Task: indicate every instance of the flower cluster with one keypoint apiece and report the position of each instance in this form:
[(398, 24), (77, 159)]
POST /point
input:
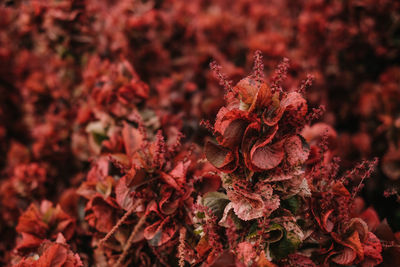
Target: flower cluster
[(281, 200)]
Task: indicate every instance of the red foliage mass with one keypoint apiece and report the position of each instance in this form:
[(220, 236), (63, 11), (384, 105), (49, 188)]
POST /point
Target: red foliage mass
[(104, 161)]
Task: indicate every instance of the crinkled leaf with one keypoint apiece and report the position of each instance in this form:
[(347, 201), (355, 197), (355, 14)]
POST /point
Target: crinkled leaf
[(339, 189), (300, 260), (103, 214), (226, 117), (264, 262), (56, 255), (297, 150), (355, 242), (372, 250), (358, 225), (229, 213), (105, 187), (226, 259), (246, 252), (295, 106), (177, 176), (247, 206)]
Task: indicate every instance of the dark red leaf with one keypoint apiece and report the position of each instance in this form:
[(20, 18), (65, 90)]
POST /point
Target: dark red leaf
[(268, 156), (222, 158)]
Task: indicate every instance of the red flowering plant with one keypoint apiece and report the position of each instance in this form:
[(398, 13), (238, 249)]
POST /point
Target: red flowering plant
[(41, 224), (271, 203), (96, 95), (150, 202), (55, 253)]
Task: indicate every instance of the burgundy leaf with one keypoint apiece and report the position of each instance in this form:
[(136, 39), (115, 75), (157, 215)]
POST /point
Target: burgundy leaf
[(222, 158), (266, 157), (160, 232)]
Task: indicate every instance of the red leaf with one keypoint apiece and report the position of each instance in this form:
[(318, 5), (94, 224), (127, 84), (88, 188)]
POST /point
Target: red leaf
[(160, 232), (372, 250), (167, 204), (371, 218), (249, 138), (227, 259), (268, 156), (358, 225), (299, 261), (123, 194), (295, 105), (202, 247), (231, 124), (170, 180), (273, 113), (246, 205), (222, 158), (322, 219), (345, 257), (132, 139), (28, 241), (209, 183), (354, 242), (233, 133), (253, 93), (104, 214), (339, 189), (296, 150), (31, 222), (179, 172), (327, 224), (58, 255), (54, 256)]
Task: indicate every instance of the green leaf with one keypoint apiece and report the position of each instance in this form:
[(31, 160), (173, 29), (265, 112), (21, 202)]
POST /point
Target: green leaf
[(252, 231), (200, 215), (276, 233), (292, 204), (99, 138), (287, 245)]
